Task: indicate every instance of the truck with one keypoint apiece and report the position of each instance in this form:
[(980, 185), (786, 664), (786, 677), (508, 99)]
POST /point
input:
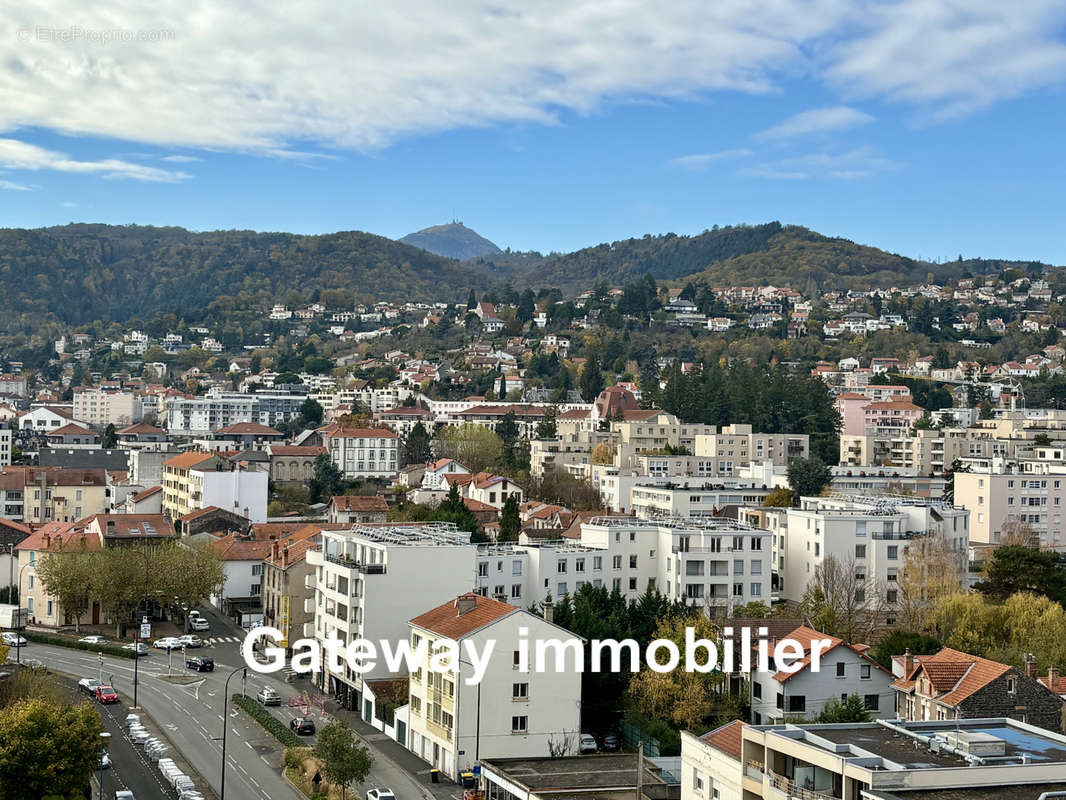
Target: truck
[(12, 617)]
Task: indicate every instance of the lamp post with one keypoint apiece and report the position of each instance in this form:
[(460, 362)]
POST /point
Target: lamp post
[(225, 725), (18, 612), (105, 738)]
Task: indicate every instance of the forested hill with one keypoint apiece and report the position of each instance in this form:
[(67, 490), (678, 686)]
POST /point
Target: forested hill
[(79, 273), (741, 255)]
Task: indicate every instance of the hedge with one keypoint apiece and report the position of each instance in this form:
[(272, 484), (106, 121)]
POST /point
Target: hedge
[(74, 644), (274, 726)]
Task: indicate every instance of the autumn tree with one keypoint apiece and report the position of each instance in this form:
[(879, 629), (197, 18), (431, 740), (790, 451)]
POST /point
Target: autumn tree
[(70, 577), (474, 446), (778, 498), (931, 569), (686, 699), (603, 453), (189, 572), (343, 759)]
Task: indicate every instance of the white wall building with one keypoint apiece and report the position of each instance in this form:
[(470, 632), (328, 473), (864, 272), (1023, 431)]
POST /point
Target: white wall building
[(510, 713)]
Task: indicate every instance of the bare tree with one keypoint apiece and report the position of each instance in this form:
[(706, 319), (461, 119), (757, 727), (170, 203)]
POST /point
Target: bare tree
[(562, 744), (931, 570), (1018, 532), (843, 600)]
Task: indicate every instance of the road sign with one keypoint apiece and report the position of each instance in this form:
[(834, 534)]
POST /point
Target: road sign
[(146, 630)]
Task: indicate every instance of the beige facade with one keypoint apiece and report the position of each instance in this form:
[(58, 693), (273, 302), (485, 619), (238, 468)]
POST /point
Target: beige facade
[(100, 408)]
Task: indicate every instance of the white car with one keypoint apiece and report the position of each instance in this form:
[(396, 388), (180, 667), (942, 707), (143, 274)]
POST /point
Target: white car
[(124, 794), (92, 640), (167, 643), (12, 639), (140, 648), (588, 743), (191, 640), (380, 794), (199, 624), (88, 685)]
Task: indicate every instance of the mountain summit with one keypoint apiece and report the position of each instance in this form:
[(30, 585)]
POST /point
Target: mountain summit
[(453, 240)]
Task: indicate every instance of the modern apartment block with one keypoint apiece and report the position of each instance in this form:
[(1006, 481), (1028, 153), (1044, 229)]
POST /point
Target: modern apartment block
[(102, 407), (867, 534), (196, 480), (694, 498), (980, 759), (511, 713), (191, 416), (370, 581), (716, 564)]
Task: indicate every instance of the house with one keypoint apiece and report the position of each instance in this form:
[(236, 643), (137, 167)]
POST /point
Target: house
[(352, 508), (435, 472), (362, 453), (148, 501), (709, 763), (249, 435), (953, 685), (845, 669), (45, 418), (511, 713), (242, 558), (492, 489), (71, 434), (286, 575), (403, 419), (141, 434), (293, 463)]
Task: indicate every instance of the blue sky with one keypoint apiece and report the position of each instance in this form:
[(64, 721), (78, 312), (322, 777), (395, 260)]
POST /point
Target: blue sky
[(913, 125)]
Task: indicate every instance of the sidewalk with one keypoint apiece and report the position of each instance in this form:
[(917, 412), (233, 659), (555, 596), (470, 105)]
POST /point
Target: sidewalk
[(399, 755)]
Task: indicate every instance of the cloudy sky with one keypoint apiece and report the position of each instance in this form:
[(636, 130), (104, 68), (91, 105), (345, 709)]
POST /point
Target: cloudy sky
[(928, 127)]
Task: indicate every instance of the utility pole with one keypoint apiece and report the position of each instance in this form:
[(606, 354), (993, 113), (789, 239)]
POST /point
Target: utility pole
[(640, 770)]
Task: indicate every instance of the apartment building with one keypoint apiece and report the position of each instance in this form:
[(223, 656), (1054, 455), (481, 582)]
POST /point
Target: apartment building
[(981, 759), (44, 494), (685, 498), (1015, 498), (362, 453), (198, 480), (867, 535), (101, 407), (5, 447), (370, 581), (717, 564), (510, 713), (193, 416)]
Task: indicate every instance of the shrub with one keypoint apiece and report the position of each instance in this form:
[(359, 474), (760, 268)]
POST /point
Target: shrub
[(274, 726), (74, 644), (294, 757)]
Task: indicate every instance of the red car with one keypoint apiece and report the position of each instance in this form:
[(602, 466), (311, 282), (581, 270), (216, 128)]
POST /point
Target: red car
[(106, 694)]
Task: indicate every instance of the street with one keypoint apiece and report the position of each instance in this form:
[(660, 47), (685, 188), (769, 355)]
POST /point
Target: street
[(189, 715)]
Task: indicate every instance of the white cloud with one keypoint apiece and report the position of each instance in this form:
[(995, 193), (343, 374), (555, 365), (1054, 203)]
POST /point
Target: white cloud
[(68, 204), (859, 162), (700, 161), (255, 77), (15, 154), (14, 187), (817, 120), (180, 159)]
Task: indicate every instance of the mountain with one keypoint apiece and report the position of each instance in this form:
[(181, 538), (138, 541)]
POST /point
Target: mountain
[(84, 272), (453, 240), (772, 253)]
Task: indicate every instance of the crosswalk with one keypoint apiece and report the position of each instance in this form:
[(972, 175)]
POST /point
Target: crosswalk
[(222, 639)]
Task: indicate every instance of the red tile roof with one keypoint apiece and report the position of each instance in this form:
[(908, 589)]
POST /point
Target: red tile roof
[(727, 738), (477, 505), (355, 502), (146, 493), (142, 428), (72, 429), (806, 636), (358, 433), (59, 537), (249, 428), (957, 674), (188, 460), (232, 548), (445, 619)]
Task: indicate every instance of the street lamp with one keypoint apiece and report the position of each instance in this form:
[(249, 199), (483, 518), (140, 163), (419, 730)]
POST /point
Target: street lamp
[(105, 738), (225, 725), (18, 612)]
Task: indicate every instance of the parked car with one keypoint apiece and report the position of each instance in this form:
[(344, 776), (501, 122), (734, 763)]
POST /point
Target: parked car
[(167, 643), (610, 741), (124, 794), (588, 743), (88, 685), (194, 614), (380, 794), (140, 648), (303, 726), (269, 697), (12, 639), (199, 624), (94, 639), (200, 664), (191, 640), (106, 694)]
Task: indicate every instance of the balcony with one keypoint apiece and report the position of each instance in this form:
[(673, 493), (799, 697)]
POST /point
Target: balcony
[(794, 791), (438, 730)]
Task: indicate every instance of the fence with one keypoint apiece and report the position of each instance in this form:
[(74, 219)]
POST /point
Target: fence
[(632, 736)]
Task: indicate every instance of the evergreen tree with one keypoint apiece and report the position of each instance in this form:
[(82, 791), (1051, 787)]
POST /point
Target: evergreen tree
[(110, 438), (416, 446), (326, 480), (510, 524), (471, 301)]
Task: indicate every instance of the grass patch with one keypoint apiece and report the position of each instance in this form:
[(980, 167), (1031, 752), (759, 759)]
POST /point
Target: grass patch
[(271, 724), (74, 644)]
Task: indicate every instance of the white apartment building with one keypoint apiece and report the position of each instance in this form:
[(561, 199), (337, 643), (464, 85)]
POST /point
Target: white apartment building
[(716, 564), (363, 452), (370, 581), (868, 534), (510, 713), (5, 447), (684, 498), (187, 416)]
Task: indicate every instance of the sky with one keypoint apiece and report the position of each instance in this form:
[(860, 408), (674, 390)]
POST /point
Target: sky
[(931, 128)]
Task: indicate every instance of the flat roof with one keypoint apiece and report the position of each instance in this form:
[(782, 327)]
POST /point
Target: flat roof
[(553, 775), (1029, 791)]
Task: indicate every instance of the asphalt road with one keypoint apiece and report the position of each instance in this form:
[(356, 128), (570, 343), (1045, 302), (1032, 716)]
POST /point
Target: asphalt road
[(190, 717)]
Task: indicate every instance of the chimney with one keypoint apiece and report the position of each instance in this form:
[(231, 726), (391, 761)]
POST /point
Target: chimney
[(1053, 678), (465, 603), (285, 556), (549, 610), (47, 539), (908, 662), (1030, 667), (274, 551)]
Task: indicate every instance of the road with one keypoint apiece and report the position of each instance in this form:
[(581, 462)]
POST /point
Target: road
[(190, 716)]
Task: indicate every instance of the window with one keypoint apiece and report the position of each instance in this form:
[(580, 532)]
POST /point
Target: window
[(517, 656), (738, 590), (738, 566), (756, 568), (864, 672), (756, 590), (1012, 684), (893, 552), (632, 584), (872, 702), (780, 701), (841, 667), (561, 590), (520, 691), (597, 562), (516, 567), (797, 703), (560, 566), (516, 590), (257, 569), (756, 690), (579, 565), (860, 551), (693, 567), (632, 562), (519, 724), (616, 562)]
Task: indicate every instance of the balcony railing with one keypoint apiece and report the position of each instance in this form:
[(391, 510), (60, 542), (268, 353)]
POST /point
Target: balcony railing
[(796, 792)]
